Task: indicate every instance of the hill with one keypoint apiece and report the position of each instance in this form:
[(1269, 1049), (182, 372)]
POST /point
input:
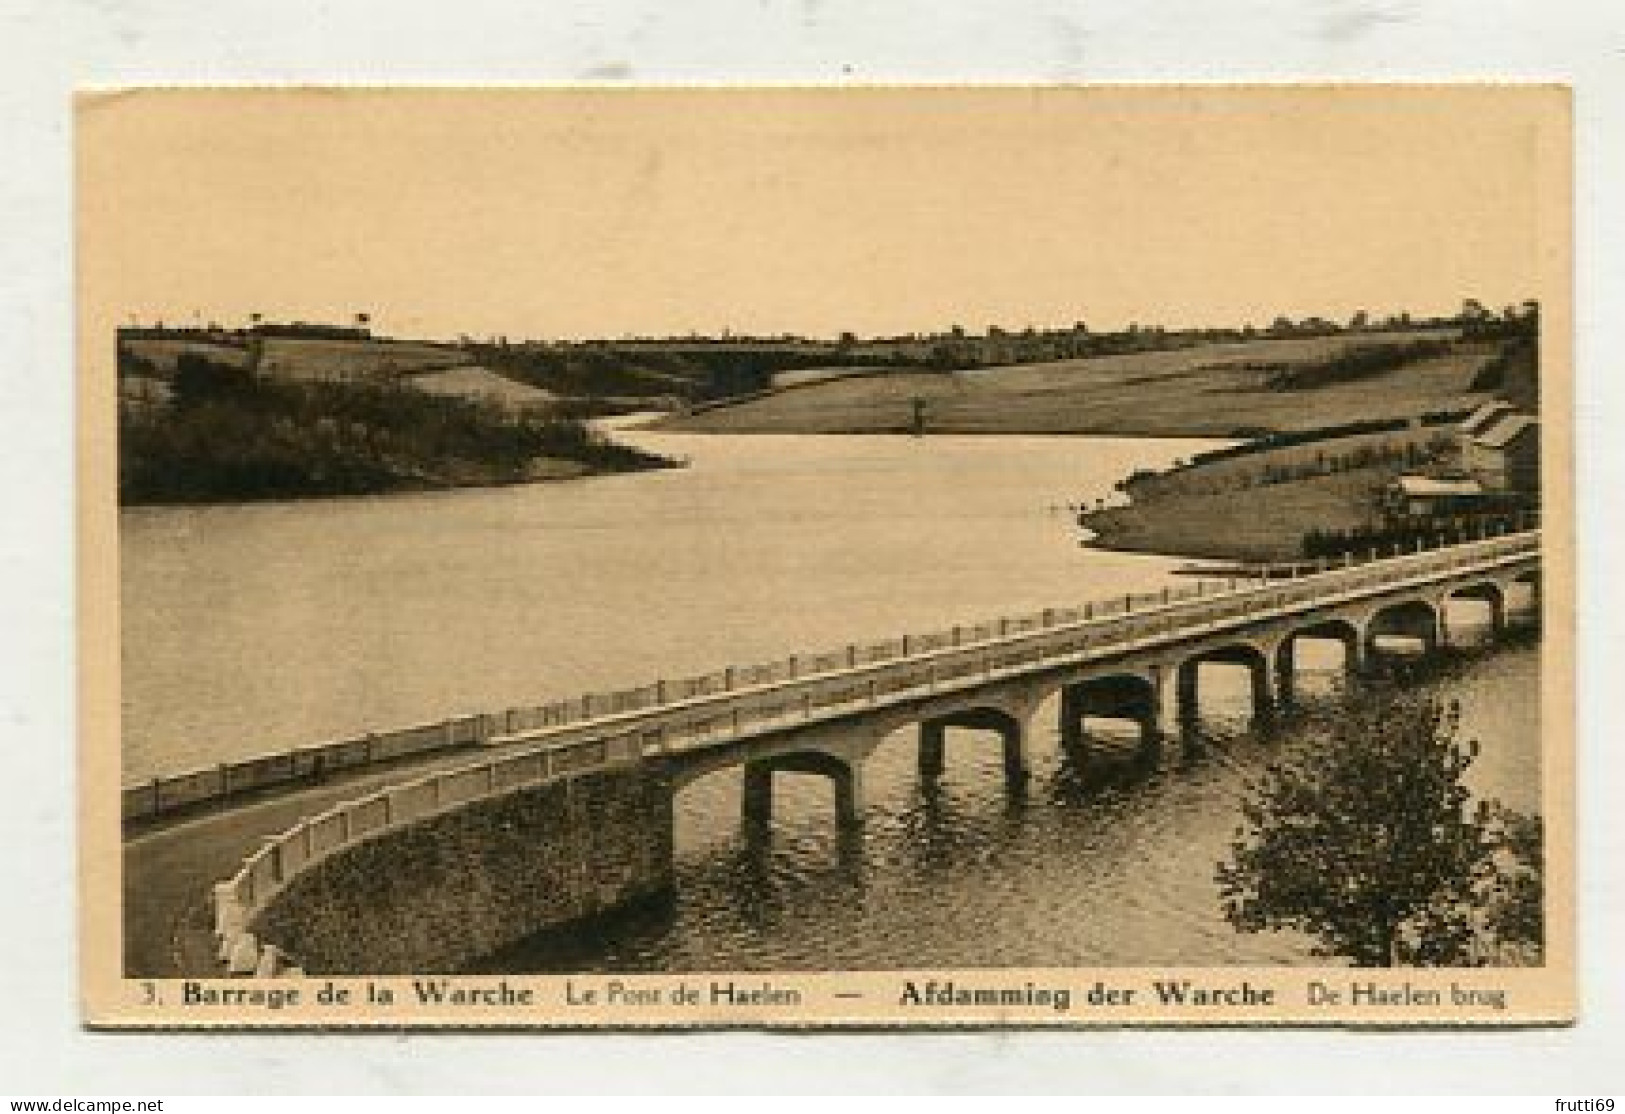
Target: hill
[(218, 432), (301, 357), (1229, 389)]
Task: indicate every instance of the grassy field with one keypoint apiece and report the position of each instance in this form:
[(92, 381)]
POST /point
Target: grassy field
[(480, 384), (1245, 524), (1215, 390), (300, 358), (309, 358), (1209, 477)]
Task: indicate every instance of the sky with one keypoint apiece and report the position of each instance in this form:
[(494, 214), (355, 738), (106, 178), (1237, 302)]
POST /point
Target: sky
[(575, 213)]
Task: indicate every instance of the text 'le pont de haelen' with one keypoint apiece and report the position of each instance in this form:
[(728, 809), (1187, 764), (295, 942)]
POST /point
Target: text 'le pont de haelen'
[(498, 994)]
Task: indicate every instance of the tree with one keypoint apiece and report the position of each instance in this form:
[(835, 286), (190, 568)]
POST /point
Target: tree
[(1517, 894), (1369, 841), (198, 380), (1474, 319)]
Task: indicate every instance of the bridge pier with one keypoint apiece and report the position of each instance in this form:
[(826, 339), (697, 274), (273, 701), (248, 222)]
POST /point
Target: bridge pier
[(756, 799), (1187, 706), (1012, 733), (846, 777), (1286, 672), (1354, 656), (1532, 580), (933, 745), (1071, 725), (1263, 692)]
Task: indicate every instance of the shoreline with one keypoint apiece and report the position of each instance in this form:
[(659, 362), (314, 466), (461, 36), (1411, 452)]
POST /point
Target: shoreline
[(549, 470), (1234, 527), (659, 426)]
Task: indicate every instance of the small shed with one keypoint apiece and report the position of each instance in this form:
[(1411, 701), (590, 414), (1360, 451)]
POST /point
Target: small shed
[(1506, 457), (1431, 497), (1480, 420)]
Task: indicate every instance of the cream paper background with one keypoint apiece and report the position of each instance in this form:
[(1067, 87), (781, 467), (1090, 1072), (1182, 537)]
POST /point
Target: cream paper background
[(40, 1011), (122, 226)]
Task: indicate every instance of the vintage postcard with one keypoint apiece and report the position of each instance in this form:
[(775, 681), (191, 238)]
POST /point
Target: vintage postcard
[(797, 557)]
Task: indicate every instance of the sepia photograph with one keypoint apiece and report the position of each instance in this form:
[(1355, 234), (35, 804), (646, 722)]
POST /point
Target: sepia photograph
[(783, 557)]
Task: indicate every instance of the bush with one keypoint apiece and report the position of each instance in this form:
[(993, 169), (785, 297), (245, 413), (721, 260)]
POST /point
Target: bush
[(1368, 840), (1357, 361)]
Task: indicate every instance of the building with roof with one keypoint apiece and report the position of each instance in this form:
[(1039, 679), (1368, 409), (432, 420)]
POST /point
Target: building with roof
[(1505, 456), (1434, 497)]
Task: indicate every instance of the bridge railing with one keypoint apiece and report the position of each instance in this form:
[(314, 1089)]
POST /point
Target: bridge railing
[(302, 764), (927, 662), (310, 764)]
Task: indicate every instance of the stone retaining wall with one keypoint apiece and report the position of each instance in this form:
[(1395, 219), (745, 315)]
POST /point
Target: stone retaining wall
[(437, 895)]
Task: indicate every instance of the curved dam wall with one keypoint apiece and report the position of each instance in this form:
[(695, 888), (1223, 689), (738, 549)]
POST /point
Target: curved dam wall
[(436, 895)]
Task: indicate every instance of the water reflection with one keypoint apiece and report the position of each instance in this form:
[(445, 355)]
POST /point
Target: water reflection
[(250, 629)]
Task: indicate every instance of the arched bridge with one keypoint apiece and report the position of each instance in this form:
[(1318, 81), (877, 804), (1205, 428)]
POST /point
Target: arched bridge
[(1138, 659)]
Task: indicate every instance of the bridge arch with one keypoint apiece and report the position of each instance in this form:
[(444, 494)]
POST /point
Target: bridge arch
[(844, 773), (1010, 728), (1488, 592), (1415, 621), (1344, 631), (1255, 658), (1123, 695)]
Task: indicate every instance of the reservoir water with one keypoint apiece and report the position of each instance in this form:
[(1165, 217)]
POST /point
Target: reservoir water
[(252, 628), (248, 629)]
